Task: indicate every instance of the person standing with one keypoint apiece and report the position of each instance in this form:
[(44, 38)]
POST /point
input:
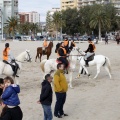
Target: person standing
[(46, 97), (60, 88), (117, 38), (106, 39)]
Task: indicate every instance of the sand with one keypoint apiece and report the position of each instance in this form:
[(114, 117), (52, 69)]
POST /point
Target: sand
[(91, 99)]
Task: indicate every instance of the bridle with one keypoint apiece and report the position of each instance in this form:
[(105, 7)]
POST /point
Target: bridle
[(28, 60)]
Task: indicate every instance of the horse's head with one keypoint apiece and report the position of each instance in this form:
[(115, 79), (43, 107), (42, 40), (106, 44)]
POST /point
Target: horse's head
[(28, 58), (75, 49), (50, 44)]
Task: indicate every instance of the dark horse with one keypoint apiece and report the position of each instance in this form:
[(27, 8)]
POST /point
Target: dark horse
[(47, 49)]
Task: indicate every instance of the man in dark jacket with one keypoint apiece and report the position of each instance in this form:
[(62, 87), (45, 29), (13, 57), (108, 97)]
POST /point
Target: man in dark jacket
[(46, 97)]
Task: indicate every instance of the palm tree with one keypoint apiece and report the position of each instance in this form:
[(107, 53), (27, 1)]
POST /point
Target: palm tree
[(34, 27), (11, 24), (57, 21), (99, 18), (25, 28)]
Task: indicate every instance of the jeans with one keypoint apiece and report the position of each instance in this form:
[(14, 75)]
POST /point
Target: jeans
[(88, 55), (61, 98), (64, 60), (47, 112)]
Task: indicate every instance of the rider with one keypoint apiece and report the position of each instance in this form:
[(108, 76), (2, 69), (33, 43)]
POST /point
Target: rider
[(90, 51), (9, 59), (45, 44), (62, 54), (66, 44), (72, 45)]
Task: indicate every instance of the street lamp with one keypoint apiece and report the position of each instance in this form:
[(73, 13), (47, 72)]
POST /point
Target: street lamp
[(1, 22)]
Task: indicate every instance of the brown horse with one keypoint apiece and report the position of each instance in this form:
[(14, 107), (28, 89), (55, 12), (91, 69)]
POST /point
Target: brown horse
[(47, 49)]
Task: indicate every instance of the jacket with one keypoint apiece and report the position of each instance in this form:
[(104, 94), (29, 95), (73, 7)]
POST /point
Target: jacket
[(45, 44), (10, 95), (62, 52), (7, 56), (46, 93), (60, 82), (91, 48), (12, 114)]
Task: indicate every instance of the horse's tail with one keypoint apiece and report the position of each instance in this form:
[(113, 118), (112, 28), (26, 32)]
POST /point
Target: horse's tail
[(42, 64), (108, 63)]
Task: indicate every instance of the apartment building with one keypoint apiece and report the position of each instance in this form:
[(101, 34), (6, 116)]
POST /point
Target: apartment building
[(68, 4), (117, 5), (10, 9), (32, 17)]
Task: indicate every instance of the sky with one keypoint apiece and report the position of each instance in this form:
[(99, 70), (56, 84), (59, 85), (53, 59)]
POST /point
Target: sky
[(40, 6)]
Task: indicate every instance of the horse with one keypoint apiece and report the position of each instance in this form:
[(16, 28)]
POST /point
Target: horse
[(98, 60), (51, 65), (6, 69), (48, 51)]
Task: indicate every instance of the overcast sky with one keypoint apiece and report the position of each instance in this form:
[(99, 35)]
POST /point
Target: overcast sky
[(40, 6)]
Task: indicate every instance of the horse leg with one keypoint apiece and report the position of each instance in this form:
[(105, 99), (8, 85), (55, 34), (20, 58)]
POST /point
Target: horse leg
[(80, 71), (70, 79), (107, 69), (37, 56), (98, 71), (84, 68), (48, 57), (40, 57)]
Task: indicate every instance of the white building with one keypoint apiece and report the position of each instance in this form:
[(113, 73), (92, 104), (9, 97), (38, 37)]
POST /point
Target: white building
[(34, 17), (10, 9), (117, 5)]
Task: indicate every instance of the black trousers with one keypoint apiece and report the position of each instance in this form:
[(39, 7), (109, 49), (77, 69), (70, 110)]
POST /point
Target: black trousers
[(63, 60), (60, 100)]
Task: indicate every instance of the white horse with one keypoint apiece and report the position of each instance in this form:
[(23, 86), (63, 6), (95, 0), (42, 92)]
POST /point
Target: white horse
[(6, 69), (99, 61), (51, 65)]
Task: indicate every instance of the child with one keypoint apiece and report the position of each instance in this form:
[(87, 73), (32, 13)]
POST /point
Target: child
[(10, 93)]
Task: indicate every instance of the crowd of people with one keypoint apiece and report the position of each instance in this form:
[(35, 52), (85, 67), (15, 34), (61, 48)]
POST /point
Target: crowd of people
[(9, 91)]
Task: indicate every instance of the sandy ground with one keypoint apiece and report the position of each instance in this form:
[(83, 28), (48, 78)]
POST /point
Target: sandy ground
[(89, 100)]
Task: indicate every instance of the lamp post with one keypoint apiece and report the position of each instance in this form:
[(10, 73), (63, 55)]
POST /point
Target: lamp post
[(1, 22)]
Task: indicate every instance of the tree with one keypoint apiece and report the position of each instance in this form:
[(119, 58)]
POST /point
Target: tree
[(49, 24), (57, 21), (34, 27), (99, 18), (71, 20), (11, 24)]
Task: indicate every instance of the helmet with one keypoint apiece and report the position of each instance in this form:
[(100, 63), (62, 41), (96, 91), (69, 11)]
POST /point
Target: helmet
[(6, 44), (89, 39)]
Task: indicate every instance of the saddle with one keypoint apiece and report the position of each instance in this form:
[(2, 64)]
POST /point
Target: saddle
[(91, 58)]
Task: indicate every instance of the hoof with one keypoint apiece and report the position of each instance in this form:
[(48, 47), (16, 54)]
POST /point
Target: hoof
[(77, 77), (70, 86)]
